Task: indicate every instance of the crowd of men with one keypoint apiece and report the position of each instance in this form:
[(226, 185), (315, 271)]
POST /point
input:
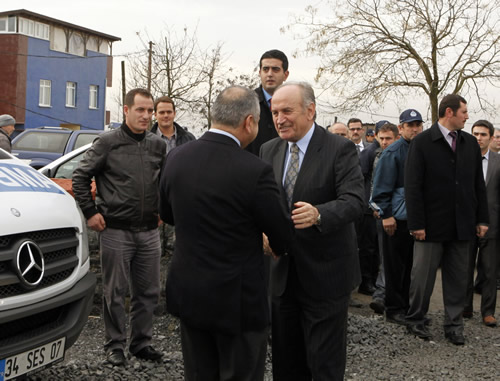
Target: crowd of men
[(278, 220)]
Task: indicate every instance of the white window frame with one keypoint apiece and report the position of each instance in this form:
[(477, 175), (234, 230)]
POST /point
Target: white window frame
[(70, 94), (44, 99), (93, 97), (7, 20)]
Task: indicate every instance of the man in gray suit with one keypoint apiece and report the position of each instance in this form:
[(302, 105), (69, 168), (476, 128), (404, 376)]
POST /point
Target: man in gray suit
[(322, 187), (486, 249)]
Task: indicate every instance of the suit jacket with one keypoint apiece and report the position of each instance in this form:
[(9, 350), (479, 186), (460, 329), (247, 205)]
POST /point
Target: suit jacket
[(445, 191), (220, 199), (493, 194), (267, 131), (330, 178)]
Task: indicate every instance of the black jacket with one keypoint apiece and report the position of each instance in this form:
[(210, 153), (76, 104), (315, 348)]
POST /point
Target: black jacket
[(220, 199), (127, 174), (329, 178), (267, 131), (444, 190), (183, 136)]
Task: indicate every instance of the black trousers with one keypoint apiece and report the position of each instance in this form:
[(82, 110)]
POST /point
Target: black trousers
[(211, 356), (366, 233), (486, 251), (398, 261), (309, 335)]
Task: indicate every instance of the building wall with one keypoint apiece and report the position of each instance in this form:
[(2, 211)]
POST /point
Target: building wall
[(13, 75), (60, 68)]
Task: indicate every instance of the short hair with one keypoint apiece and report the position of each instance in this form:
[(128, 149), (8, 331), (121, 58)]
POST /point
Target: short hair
[(164, 99), (306, 91), (130, 97), (277, 54), (452, 101), (484, 123), (233, 105), (389, 127), (354, 120)]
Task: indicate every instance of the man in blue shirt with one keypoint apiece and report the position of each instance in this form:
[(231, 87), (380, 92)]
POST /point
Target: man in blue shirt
[(388, 194)]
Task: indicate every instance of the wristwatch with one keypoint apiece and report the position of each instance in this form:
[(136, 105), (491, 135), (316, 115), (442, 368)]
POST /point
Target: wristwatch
[(318, 220)]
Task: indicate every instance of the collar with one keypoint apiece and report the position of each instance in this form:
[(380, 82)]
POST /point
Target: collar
[(160, 134), (267, 96), (304, 142), (487, 155), (444, 130), (128, 131), (225, 133)]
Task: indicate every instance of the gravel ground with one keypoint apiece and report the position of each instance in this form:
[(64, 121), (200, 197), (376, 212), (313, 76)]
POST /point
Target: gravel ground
[(376, 351)]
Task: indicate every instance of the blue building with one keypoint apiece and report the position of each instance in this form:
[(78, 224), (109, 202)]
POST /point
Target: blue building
[(53, 73)]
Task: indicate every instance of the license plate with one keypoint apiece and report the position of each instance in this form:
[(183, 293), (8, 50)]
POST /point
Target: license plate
[(28, 361)]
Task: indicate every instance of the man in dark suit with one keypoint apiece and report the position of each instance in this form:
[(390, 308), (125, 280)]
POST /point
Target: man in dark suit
[(486, 249), (322, 186), (446, 208), (273, 71), (221, 199)]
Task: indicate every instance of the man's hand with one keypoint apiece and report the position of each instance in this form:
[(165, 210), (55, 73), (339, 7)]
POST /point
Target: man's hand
[(481, 230), (390, 225), (419, 235), (96, 222), (304, 215), (267, 247)]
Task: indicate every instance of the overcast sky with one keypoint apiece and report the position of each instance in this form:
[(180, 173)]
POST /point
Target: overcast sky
[(246, 29)]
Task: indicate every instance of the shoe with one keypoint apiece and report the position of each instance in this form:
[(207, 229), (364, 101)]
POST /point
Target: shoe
[(490, 321), (149, 353), (455, 338), (378, 306), (354, 303), (116, 357), (419, 330), (396, 319), (467, 313), (366, 288)]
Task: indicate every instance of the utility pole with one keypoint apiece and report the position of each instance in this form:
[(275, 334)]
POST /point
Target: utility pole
[(124, 87), (150, 56)]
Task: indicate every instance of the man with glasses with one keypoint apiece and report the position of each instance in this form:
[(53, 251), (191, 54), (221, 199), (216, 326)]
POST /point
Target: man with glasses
[(356, 134)]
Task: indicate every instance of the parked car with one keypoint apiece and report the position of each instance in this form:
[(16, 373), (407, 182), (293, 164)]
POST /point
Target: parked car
[(46, 287), (40, 146), (61, 170)]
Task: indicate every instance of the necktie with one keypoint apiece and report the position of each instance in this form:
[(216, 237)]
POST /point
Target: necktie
[(358, 148), (453, 135), (291, 174)]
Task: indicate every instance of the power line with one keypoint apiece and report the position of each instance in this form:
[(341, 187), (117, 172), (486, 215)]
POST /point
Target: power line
[(125, 55), (47, 116)]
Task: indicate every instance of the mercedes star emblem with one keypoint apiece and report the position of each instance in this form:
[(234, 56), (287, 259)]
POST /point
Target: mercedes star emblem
[(30, 264)]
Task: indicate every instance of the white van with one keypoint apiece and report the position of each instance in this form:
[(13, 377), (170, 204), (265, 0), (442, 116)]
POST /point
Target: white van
[(46, 288)]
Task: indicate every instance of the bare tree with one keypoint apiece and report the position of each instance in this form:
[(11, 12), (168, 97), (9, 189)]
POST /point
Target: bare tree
[(176, 67), (218, 76), (374, 49)]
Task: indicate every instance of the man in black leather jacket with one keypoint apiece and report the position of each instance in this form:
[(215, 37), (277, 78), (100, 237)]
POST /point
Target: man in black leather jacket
[(126, 164)]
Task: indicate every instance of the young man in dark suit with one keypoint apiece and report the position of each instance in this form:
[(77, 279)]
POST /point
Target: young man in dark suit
[(322, 185), (486, 249), (273, 71), (221, 199), (446, 207)]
